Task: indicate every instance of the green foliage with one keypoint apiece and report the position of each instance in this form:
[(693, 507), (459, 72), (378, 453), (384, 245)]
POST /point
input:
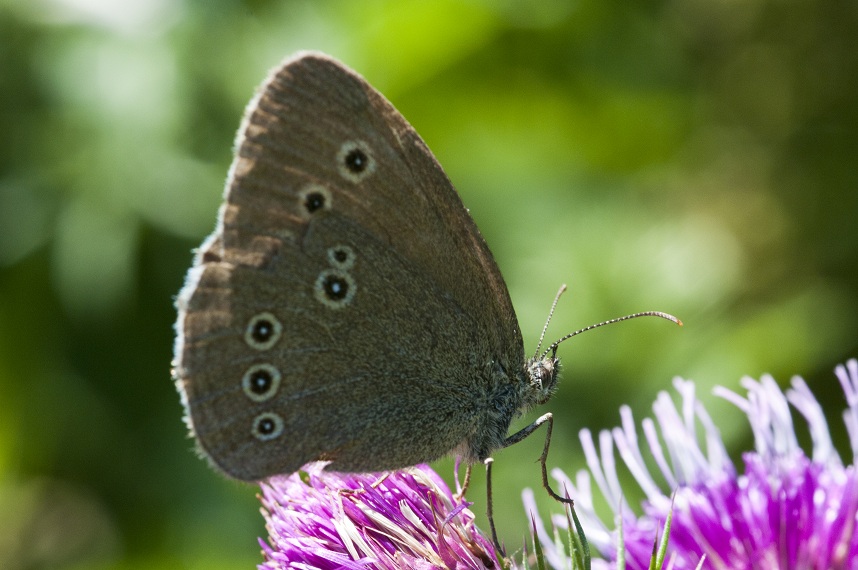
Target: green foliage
[(697, 158), (658, 559), (573, 546)]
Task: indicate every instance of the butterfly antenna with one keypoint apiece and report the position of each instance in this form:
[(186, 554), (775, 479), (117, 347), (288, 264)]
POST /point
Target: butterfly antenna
[(548, 320), (553, 347)]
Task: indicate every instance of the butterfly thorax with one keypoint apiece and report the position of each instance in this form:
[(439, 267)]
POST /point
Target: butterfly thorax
[(509, 397)]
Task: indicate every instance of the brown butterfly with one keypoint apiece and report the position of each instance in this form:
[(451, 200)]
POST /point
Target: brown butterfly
[(346, 308)]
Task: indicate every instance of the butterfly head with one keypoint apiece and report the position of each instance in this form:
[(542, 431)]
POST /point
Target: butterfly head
[(542, 376)]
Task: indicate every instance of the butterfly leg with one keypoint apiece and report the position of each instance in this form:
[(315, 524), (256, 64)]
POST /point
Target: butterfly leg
[(489, 509), (523, 433), (460, 494), (511, 440)]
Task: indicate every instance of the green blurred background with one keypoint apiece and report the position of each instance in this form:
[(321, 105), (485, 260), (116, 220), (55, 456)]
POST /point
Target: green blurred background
[(692, 156)]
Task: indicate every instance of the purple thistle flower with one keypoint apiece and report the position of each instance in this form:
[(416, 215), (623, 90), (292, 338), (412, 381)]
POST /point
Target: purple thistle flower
[(401, 519), (786, 510)]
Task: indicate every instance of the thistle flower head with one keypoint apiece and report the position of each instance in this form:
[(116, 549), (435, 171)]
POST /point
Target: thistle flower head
[(403, 519), (785, 510)]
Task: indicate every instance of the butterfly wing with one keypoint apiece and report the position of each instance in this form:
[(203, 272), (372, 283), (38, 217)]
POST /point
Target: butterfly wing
[(346, 307)]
